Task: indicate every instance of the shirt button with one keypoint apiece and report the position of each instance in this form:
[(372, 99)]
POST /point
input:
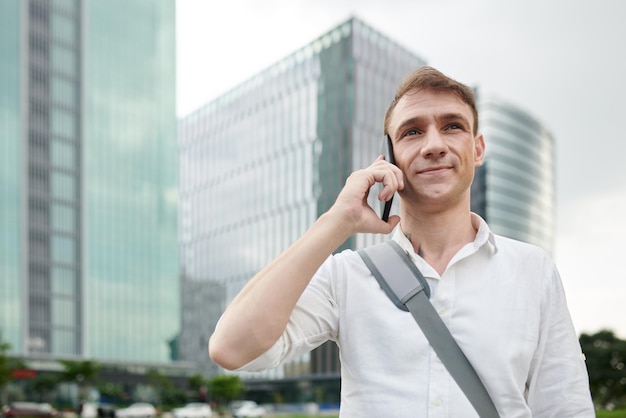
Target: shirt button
[(437, 402), (442, 310)]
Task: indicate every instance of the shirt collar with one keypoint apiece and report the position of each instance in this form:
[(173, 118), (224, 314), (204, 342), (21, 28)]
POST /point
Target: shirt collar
[(484, 236)]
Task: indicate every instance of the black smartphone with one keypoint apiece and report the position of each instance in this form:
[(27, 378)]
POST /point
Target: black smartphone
[(387, 151)]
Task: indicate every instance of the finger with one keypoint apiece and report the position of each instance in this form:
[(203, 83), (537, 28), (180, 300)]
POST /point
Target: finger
[(390, 184)]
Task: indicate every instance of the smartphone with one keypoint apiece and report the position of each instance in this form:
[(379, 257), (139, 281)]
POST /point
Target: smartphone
[(387, 151)]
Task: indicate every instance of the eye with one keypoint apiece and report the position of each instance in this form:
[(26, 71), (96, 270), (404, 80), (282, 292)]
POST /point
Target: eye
[(411, 132), (454, 126)]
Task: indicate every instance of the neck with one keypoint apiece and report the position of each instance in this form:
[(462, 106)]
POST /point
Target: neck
[(438, 236)]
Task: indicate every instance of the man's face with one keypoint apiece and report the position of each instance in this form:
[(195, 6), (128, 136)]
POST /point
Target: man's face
[(435, 147)]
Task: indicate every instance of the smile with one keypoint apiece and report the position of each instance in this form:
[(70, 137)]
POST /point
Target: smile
[(433, 170)]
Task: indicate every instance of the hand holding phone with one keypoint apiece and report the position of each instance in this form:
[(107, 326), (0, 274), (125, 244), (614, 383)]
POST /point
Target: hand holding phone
[(387, 151)]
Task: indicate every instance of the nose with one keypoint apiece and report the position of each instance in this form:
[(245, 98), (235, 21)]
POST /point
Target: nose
[(434, 144)]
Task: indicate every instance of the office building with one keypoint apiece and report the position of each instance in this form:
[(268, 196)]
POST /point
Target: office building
[(260, 163), (514, 190), (88, 179)]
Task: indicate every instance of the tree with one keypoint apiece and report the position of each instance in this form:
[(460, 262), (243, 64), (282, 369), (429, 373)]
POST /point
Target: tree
[(7, 366), (197, 385), (5, 369), (168, 393), (225, 388), (44, 384), (111, 392), (83, 373), (195, 382), (606, 360)]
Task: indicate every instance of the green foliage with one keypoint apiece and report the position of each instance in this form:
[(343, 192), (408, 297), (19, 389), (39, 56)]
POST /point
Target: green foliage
[(173, 396), (113, 392), (83, 373), (621, 413), (79, 371), (198, 387), (45, 384), (225, 388), (5, 369), (606, 361), (196, 381), (7, 366), (169, 394)]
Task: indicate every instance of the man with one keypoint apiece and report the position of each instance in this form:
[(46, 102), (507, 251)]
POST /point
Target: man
[(502, 300)]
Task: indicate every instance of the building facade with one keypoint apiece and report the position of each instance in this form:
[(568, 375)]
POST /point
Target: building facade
[(88, 179), (514, 190), (262, 162)]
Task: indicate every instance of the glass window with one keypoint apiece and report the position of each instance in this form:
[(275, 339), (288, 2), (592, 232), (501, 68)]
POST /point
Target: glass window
[(63, 92), (63, 124), (63, 341), (63, 218), (68, 5), (64, 60), (63, 250), (63, 155), (63, 29), (63, 186), (63, 312), (63, 281)]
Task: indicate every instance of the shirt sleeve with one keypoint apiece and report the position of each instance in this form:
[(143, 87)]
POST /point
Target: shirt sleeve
[(313, 321), (558, 384)]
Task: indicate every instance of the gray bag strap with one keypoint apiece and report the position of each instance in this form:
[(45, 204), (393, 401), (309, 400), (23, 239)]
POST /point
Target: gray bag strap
[(407, 288)]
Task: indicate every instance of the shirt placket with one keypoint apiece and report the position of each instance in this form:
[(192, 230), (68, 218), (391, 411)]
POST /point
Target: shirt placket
[(440, 379)]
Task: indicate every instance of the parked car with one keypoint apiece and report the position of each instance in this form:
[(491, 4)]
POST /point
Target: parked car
[(96, 410), (106, 410), (137, 410), (88, 410), (29, 409), (247, 409), (193, 410)]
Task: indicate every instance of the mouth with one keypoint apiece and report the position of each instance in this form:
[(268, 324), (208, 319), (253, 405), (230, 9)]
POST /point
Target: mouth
[(434, 170)]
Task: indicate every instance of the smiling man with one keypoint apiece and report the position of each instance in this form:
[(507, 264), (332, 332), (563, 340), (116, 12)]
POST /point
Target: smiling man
[(501, 299)]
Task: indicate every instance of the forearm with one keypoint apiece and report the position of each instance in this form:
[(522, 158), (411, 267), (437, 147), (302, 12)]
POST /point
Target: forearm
[(258, 315)]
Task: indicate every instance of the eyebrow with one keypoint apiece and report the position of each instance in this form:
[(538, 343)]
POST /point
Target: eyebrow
[(446, 117)]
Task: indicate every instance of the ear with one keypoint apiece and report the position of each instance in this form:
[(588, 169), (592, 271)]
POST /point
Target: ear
[(479, 150)]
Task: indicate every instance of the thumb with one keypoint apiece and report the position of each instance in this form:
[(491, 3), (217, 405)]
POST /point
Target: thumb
[(387, 227)]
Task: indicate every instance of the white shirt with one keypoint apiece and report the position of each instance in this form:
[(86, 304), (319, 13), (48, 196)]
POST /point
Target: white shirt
[(503, 302)]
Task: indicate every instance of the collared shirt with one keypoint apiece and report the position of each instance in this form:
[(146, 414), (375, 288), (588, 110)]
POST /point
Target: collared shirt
[(502, 300)]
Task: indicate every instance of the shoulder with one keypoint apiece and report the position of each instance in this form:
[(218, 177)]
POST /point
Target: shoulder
[(508, 247), (528, 263), (345, 262), (342, 271)]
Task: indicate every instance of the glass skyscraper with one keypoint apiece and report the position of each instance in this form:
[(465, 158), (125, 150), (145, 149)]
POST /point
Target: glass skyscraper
[(516, 184), (262, 162), (88, 179)]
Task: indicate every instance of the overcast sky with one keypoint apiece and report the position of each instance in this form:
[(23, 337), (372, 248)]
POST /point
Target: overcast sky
[(562, 61)]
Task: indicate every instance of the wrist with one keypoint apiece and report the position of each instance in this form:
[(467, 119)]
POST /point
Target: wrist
[(338, 225)]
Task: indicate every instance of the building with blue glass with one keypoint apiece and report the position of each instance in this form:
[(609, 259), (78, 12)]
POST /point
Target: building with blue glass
[(88, 177)]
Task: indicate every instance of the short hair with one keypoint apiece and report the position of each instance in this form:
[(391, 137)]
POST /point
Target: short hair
[(428, 78)]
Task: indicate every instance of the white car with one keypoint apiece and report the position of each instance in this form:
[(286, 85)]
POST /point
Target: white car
[(137, 410), (247, 409), (193, 410)]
